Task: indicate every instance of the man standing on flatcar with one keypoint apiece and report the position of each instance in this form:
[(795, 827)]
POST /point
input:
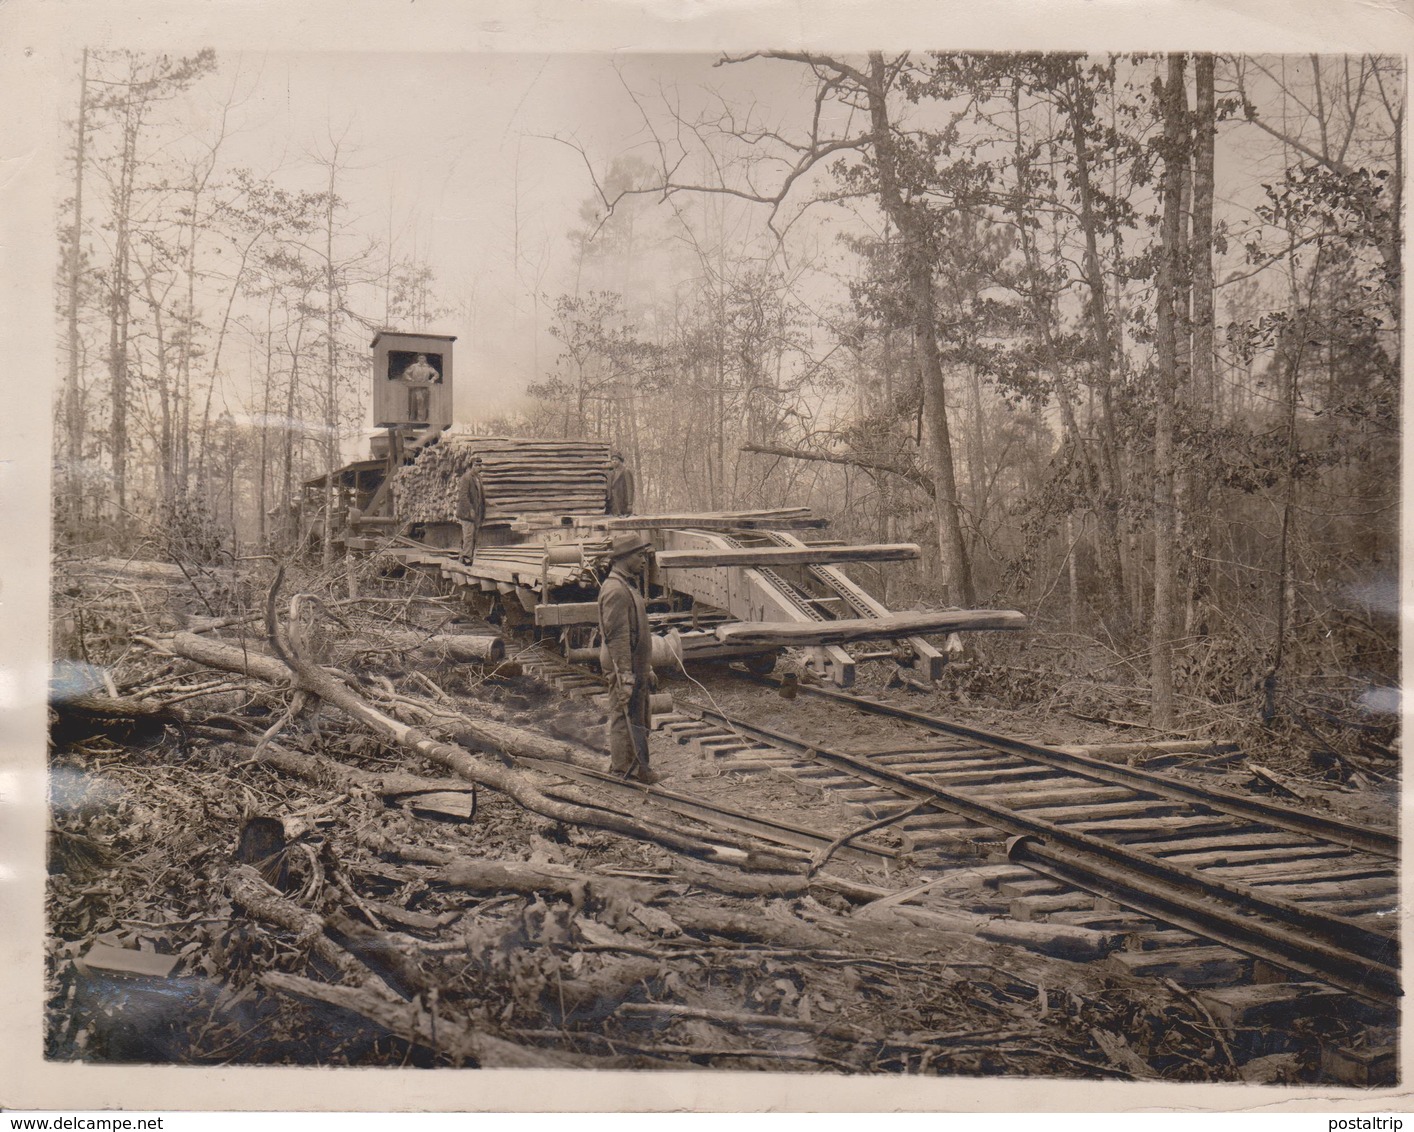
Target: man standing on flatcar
[(620, 498), (471, 508), (625, 655)]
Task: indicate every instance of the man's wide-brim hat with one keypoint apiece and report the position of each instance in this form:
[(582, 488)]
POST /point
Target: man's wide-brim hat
[(625, 544)]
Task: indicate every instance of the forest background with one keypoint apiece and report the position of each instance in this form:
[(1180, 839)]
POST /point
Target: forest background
[(1115, 337)]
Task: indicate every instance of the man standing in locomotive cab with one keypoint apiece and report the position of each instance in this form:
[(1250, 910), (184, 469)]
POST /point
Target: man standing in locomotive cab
[(471, 507), (620, 495), (626, 657), (420, 377)]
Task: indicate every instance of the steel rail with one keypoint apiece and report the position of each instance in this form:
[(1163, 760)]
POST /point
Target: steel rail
[(1344, 952), (1363, 838), (726, 817)]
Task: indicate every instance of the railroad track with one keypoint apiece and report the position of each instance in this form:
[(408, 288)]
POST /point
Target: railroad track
[(1267, 913), (1298, 891), (1302, 892)]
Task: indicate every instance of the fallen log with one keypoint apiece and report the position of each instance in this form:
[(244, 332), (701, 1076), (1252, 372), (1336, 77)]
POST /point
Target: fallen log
[(780, 633), (474, 874), (91, 705), (407, 1020), (905, 471), (671, 1012), (787, 555), (146, 570), (392, 955), (522, 786), (597, 995), (247, 889), (394, 784), (1061, 941), (471, 648)]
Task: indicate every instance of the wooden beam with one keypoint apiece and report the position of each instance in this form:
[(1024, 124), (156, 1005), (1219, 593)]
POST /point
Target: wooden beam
[(867, 628), (568, 613), (787, 555), (713, 523), (699, 518)]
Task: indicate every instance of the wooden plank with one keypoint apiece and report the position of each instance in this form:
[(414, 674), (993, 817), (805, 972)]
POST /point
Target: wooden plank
[(1236, 840), (1056, 796), (1237, 857), (568, 613), (1180, 825), (868, 628), (446, 804), (698, 519), (126, 961), (1189, 966), (1378, 888), (772, 556)]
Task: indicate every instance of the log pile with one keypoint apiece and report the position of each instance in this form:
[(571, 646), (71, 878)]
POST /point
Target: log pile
[(520, 477)]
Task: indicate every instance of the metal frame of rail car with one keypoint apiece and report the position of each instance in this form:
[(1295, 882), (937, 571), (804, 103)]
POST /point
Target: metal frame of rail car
[(752, 593), (863, 604)]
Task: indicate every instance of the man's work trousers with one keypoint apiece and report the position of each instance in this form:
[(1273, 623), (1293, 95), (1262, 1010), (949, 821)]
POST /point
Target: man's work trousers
[(469, 533), (628, 730)]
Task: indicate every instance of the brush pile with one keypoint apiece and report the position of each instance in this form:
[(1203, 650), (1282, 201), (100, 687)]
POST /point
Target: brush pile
[(520, 477), (322, 837)]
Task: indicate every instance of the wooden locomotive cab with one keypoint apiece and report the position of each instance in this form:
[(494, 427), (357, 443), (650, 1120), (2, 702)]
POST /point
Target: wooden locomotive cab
[(412, 380)]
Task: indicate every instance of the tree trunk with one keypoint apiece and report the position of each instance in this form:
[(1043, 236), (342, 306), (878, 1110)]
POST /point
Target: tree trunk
[(119, 303), (1166, 388), (331, 416), (1203, 387), (913, 230), (73, 407), (1104, 355)]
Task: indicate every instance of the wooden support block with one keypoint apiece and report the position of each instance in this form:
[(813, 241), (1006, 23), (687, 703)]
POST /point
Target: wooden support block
[(1237, 858), (1031, 886), (1265, 972), (1046, 798), (923, 822), (1362, 1067), (981, 840), (1189, 966), (711, 747), (733, 765), (1269, 1004), (993, 875), (567, 613), (683, 732), (1159, 939), (1032, 908), (1130, 923)]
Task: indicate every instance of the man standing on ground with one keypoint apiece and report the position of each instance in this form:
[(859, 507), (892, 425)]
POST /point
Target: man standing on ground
[(626, 657), (471, 508), (620, 501)]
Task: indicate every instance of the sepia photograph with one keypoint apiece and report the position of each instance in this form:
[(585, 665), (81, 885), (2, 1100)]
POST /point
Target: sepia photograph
[(749, 558)]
